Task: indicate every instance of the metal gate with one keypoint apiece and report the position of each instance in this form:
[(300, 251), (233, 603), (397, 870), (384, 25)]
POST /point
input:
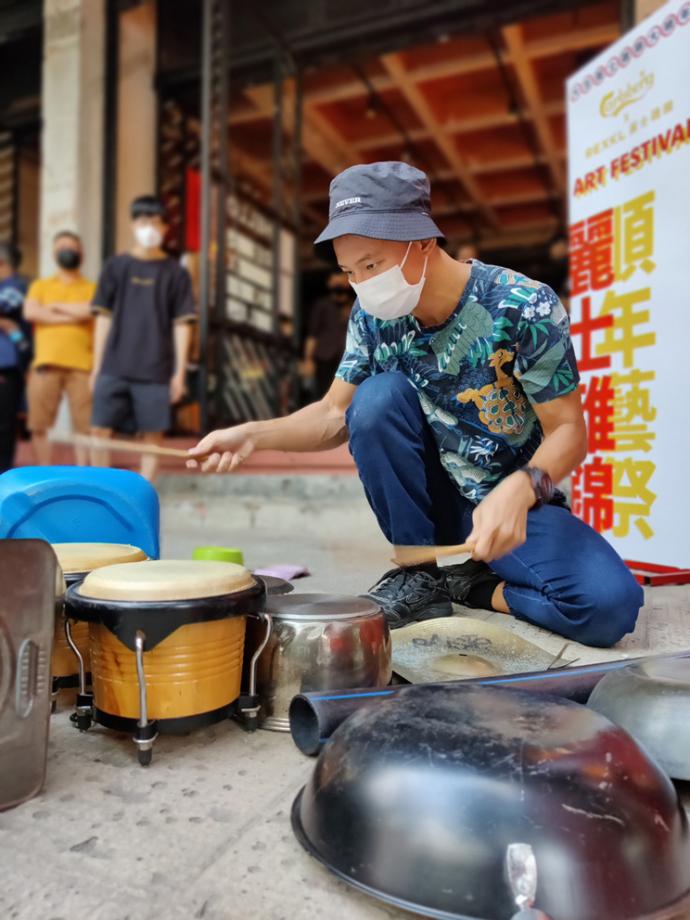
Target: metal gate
[(250, 250)]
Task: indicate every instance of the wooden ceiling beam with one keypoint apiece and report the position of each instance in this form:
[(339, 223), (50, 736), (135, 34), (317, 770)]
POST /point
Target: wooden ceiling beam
[(487, 167), (524, 69), (517, 198), (455, 126), (316, 145), (416, 99), (499, 119), (319, 124), (577, 40), (391, 139)]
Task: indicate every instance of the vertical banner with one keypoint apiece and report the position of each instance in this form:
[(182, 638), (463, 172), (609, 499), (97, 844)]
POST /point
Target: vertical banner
[(629, 191)]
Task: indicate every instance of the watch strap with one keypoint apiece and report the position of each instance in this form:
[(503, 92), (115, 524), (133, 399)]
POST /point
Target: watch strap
[(541, 483)]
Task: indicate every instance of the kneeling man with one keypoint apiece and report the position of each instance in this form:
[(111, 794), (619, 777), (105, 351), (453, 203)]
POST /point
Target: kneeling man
[(458, 393)]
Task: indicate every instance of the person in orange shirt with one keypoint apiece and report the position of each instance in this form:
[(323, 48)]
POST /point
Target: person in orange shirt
[(60, 309)]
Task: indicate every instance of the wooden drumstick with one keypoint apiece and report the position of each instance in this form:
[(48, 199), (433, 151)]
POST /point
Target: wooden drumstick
[(418, 555), (132, 447)]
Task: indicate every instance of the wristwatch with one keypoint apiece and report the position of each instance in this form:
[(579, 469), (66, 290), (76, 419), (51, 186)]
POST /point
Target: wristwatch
[(541, 483)]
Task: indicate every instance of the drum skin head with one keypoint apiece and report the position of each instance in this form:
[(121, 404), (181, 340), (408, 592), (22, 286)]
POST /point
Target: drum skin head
[(85, 557), (166, 580), (156, 597)]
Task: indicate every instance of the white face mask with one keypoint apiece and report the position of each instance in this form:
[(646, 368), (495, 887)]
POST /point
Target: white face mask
[(148, 237), (389, 295)]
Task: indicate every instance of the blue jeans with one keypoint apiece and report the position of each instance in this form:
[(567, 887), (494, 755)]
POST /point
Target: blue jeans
[(565, 577)]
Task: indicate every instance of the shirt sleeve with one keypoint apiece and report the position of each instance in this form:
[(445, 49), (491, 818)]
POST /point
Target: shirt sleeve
[(35, 291), (106, 290), (183, 308), (356, 365), (545, 364), (11, 300)]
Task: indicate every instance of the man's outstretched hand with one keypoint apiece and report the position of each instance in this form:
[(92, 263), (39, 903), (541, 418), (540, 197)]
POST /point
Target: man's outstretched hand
[(222, 451)]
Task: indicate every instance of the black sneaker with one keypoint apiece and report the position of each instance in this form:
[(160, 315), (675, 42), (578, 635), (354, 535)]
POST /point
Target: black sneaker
[(412, 594), (465, 576)]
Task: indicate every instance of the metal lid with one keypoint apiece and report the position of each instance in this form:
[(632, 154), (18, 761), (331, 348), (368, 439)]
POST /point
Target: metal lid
[(322, 607)]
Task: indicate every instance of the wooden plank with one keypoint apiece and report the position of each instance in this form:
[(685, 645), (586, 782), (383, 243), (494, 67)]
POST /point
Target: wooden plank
[(415, 97), (530, 89), (576, 40), (456, 126), (319, 139)]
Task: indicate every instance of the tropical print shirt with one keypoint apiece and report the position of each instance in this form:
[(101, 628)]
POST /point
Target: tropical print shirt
[(505, 347)]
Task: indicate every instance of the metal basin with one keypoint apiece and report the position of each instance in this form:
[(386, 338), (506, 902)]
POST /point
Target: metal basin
[(317, 642), (651, 700), (476, 802)]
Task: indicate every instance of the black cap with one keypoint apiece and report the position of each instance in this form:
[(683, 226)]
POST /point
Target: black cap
[(383, 201)]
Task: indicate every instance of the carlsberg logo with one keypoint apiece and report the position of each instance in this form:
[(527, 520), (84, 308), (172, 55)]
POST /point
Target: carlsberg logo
[(614, 102)]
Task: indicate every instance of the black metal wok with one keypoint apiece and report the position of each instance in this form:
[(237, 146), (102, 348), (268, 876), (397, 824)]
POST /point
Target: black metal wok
[(477, 802)]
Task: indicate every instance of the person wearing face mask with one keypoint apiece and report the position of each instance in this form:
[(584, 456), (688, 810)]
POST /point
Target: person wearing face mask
[(327, 331), (60, 309), (144, 306), (458, 394)]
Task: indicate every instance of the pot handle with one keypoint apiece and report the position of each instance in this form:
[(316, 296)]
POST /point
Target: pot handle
[(257, 654), (521, 869), (249, 705)]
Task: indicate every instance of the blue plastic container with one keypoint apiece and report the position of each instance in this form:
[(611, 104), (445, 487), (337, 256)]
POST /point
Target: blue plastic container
[(72, 504)]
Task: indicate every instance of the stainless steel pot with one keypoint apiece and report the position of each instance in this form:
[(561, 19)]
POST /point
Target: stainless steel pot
[(317, 642), (651, 700)]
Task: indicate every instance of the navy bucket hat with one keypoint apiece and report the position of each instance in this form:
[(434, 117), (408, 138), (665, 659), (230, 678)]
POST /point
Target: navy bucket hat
[(383, 201)]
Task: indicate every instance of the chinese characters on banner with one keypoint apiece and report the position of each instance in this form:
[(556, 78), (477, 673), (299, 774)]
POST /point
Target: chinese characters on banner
[(611, 264), (629, 232)]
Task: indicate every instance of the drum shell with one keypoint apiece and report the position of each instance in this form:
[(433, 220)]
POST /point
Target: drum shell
[(328, 652), (192, 655), (64, 664), (195, 670)]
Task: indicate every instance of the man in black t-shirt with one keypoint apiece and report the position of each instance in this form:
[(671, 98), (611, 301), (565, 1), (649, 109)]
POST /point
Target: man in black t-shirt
[(144, 307)]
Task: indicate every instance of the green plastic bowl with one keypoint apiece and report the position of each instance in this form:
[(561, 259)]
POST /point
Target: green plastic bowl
[(219, 554)]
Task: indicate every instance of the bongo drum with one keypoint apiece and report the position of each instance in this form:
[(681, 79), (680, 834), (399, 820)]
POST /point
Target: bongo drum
[(70, 657), (166, 643)]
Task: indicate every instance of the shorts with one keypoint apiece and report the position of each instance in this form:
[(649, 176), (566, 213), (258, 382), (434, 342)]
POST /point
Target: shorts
[(47, 383), (130, 406)]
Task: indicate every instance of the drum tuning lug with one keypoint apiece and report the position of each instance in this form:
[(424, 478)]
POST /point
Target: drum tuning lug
[(82, 717), (248, 711), (144, 738)]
